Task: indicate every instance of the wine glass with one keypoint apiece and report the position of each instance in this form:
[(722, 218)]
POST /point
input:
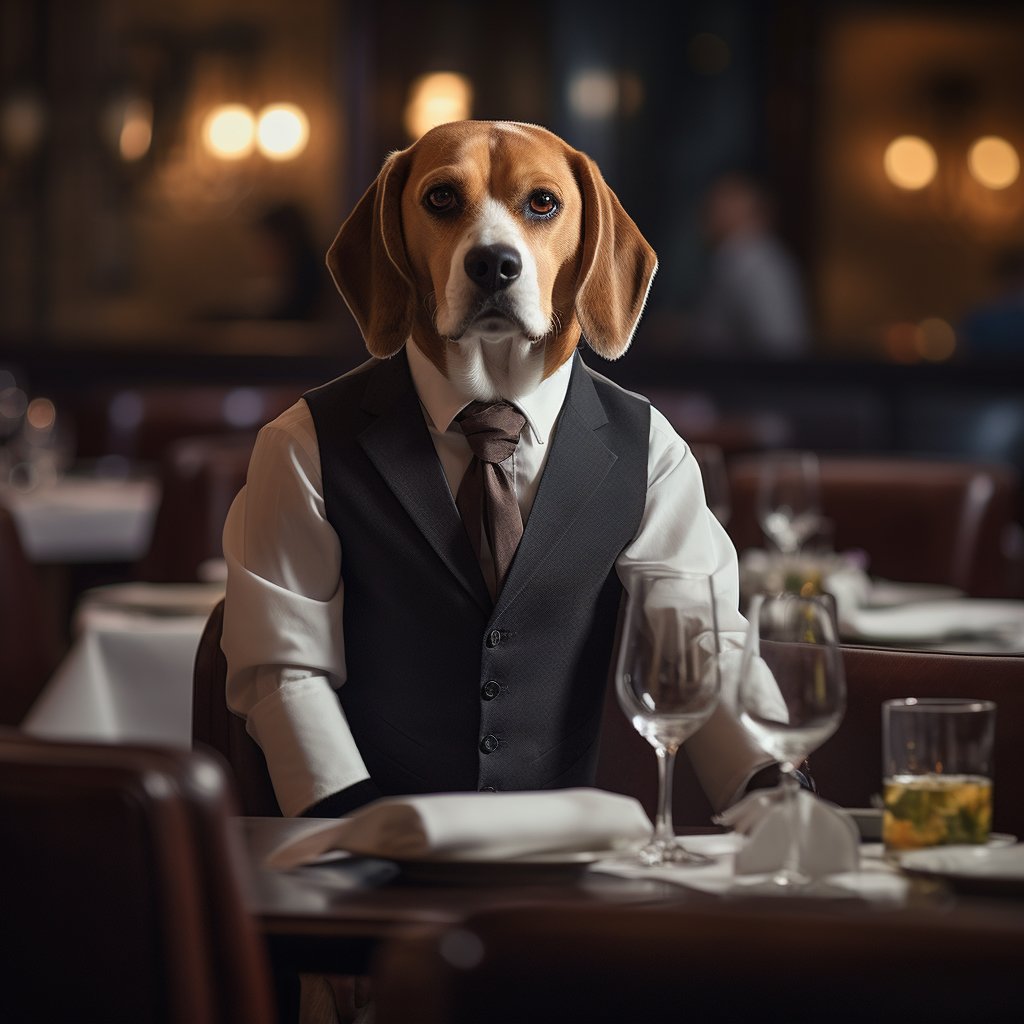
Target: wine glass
[(788, 503), (668, 682), (792, 696), (715, 477)]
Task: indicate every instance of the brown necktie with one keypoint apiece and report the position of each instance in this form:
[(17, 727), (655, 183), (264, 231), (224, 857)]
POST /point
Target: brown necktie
[(486, 493)]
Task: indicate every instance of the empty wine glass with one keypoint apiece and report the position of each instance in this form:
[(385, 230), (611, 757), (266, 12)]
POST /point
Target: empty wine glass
[(792, 696), (788, 501), (668, 683)]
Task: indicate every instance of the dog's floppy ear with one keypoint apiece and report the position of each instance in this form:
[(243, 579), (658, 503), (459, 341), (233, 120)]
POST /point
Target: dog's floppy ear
[(616, 268), (368, 263)]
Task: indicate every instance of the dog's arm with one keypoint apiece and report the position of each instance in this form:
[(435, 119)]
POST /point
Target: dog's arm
[(282, 634)]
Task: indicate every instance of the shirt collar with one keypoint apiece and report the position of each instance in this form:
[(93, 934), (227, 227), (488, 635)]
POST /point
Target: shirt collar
[(443, 401)]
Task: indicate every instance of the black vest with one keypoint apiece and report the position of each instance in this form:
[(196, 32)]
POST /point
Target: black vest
[(444, 691)]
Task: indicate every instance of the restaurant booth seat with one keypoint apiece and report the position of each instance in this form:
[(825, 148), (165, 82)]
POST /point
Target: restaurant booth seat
[(848, 766), (199, 478), (216, 728), (710, 960), (122, 889), (918, 519), (29, 642)]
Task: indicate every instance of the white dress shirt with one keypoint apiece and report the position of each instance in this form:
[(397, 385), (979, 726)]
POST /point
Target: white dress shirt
[(285, 586)]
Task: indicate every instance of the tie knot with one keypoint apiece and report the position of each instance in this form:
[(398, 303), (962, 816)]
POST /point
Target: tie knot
[(492, 429)]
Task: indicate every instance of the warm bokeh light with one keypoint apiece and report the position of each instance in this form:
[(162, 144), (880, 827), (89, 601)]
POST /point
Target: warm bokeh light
[(435, 99), (910, 162), (993, 162), (41, 414), (282, 131), (935, 340), (594, 94), (229, 131), (901, 342), (136, 134)]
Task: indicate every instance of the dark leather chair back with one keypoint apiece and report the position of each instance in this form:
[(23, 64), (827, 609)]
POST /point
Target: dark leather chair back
[(199, 478), (29, 648), (919, 520), (122, 889), (215, 727), (624, 964), (848, 766)]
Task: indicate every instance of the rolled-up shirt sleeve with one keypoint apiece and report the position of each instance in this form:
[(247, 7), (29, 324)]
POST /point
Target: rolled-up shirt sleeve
[(283, 637), (679, 532)]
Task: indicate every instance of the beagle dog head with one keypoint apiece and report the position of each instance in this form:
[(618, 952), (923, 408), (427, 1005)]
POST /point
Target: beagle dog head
[(492, 245)]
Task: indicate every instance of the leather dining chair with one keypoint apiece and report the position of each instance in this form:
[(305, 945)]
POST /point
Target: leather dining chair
[(122, 889), (29, 647), (606, 963), (847, 767), (199, 478), (216, 727), (920, 520)]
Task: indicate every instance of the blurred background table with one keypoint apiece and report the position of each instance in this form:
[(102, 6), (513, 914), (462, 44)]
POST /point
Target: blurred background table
[(85, 518), (128, 674)]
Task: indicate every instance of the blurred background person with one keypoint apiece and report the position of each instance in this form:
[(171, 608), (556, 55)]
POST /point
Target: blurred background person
[(995, 328), (292, 263), (752, 301)]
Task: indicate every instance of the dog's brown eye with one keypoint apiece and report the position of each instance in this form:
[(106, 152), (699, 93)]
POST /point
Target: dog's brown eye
[(543, 204), (442, 199)]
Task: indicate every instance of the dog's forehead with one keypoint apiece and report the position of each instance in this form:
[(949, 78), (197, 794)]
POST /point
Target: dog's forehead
[(499, 155)]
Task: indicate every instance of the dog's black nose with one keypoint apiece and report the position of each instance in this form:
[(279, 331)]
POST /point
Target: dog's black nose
[(493, 267)]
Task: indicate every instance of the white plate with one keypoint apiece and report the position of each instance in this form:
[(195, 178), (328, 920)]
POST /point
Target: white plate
[(533, 869), (974, 869), (892, 593), (933, 621)]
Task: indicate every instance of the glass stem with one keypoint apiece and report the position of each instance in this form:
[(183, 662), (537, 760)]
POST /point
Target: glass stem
[(664, 830), (791, 870)]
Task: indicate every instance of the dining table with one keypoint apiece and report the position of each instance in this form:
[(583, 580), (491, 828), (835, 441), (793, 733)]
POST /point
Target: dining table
[(336, 917), (127, 675), (85, 516)]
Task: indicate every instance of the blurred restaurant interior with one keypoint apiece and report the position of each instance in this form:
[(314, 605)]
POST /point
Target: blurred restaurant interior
[(835, 194), (171, 177), (885, 138)]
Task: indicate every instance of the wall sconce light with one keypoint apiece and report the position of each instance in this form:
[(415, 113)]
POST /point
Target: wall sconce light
[(437, 99), (23, 122), (128, 125), (993, 162), (229, 131), (282, 131), (910, 162)]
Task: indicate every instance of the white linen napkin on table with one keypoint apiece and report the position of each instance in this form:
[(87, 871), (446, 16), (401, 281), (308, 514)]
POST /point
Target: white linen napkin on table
[(830, 840), (476, 826)]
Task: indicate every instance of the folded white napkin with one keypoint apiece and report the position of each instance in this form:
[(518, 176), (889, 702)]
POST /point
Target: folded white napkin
[(830, 841), (476, 826)]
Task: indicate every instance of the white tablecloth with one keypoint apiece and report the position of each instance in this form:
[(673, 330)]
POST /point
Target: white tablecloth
[(85, 519), (127, 678)]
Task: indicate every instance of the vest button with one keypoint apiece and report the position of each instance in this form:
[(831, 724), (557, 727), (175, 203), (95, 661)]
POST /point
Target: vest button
[(494, 638), (490, 689), (488, 789), (489, 744)]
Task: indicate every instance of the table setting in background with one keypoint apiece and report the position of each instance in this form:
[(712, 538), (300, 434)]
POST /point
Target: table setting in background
[(128, 674), (102, 511)]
